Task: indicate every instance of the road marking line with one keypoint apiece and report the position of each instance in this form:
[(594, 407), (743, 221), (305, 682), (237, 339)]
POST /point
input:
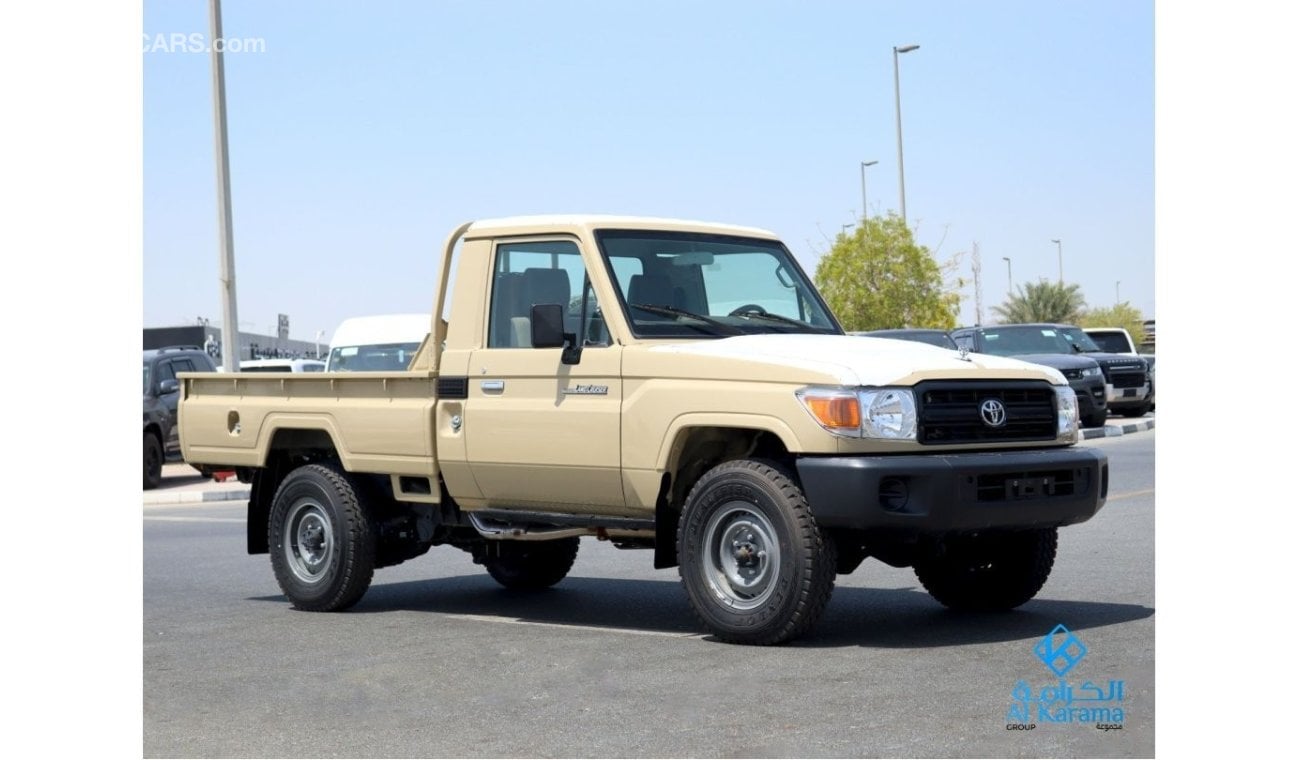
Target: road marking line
[(162, 518), (1130, 494), (567, 627)]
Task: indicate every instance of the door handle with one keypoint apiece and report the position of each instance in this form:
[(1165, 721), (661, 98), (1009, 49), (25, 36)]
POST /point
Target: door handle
[(493, 386)]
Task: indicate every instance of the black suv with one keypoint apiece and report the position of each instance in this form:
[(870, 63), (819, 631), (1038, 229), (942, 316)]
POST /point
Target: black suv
[(161, 394), (1043, 344), (915, 334)]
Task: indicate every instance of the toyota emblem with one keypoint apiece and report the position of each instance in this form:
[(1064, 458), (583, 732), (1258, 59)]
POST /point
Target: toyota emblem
[(993, 413)]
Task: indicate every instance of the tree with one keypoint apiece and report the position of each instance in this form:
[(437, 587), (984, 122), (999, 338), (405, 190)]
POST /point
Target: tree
[(878, 278), (1042, 301), (1123, 315)]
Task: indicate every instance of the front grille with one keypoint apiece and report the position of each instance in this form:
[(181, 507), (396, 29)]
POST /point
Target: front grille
[(1127, 379), (949, 411)]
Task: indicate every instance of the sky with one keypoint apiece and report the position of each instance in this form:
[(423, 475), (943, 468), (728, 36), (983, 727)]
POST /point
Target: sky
[(361, 133)]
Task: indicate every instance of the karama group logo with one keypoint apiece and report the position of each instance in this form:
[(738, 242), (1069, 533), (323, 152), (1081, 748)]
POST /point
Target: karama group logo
[(1064, 702)]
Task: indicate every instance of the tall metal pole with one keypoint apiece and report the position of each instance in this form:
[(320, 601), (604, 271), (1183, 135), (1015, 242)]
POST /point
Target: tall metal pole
[(1004, 258), (229, 316), (865, 164), (1060, 263), (898, 121), (1117, 292)]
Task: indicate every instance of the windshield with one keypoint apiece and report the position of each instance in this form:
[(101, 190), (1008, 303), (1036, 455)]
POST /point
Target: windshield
[(1078, 337), (1014, 341), (1115, 343), (385, 357), (935, 338), (696, 285)]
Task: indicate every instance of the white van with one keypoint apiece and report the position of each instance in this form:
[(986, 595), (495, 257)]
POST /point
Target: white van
[(383, 343), (282, 365)]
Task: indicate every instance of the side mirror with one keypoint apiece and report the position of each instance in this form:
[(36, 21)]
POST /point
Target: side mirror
[(547, 331), (547, 325), (168, 386)]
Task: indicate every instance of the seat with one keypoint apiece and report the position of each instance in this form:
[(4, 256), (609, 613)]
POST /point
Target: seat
[(650, 289)]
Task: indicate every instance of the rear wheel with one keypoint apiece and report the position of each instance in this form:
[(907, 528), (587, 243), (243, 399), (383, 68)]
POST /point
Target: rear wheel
[(321, 540), (531, 565), (153, 461), (755, 566), (990, 571)]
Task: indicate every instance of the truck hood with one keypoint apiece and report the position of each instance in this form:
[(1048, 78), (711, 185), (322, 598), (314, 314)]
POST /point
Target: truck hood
[(859, 360)]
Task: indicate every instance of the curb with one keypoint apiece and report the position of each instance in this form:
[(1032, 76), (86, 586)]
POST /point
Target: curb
[(197, 497), (1113, 431)]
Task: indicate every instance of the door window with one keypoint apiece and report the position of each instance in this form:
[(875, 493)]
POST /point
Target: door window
[(542, 272)]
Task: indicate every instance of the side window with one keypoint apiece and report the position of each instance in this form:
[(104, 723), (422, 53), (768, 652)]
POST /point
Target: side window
[(543, 272), (165, 370)]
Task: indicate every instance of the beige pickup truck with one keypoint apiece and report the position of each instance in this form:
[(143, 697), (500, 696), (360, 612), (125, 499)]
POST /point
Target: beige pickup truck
[(667, 385)]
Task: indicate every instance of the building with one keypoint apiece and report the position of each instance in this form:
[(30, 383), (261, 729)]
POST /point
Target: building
[(251, 345)]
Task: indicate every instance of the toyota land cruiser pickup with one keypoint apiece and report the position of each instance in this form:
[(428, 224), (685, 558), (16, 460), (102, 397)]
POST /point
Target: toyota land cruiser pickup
[(674, 386)]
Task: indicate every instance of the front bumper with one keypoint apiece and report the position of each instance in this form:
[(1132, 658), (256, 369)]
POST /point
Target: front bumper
[(956, 492), (1091, 393), (1121, 397)]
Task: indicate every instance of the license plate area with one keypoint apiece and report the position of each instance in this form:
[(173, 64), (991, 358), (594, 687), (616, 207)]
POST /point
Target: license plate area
[(1024, 486)]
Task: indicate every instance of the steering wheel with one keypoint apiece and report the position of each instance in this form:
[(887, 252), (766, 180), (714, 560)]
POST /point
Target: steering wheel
[(749, 308)]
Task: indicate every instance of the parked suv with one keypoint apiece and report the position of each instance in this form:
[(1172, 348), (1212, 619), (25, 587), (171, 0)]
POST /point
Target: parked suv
[(917, 335), (1034, 343), (161, 394)]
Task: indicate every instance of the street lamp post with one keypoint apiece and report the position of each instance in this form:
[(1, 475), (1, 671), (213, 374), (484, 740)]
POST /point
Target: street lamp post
[(898, 121), (1060, 263), (1008, 260), (865, 164), (1117, 292), (225, 234), (319, 334)]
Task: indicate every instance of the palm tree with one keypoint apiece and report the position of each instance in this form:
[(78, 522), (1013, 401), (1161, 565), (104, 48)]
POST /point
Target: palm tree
[(1042, 302)]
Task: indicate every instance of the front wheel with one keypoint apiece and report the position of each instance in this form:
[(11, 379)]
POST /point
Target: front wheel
[(321, 540), (1137, 411), (989, 571), (755, 566), (531, 565), (153, 461)]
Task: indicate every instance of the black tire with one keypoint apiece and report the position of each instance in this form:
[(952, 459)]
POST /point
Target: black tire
[(990, 571), (531, 565), (1137, 411), (1095, 420), (321, 540), (736, 517), (153, 461)]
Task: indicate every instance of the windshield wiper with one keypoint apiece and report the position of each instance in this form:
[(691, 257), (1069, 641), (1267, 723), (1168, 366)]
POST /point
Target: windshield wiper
[(777, 318), (673, 311)]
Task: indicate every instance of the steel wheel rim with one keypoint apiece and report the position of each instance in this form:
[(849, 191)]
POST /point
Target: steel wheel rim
[(309, 541), (742, 556)]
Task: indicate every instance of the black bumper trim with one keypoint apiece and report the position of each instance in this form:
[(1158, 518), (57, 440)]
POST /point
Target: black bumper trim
[(956, 492)]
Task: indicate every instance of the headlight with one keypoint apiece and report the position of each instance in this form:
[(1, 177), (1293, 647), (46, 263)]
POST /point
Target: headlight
[(888, 413), (1092, 372), (1067, 414)]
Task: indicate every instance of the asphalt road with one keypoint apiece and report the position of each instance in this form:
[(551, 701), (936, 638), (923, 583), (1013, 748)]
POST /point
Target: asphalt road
[(437, 660)]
